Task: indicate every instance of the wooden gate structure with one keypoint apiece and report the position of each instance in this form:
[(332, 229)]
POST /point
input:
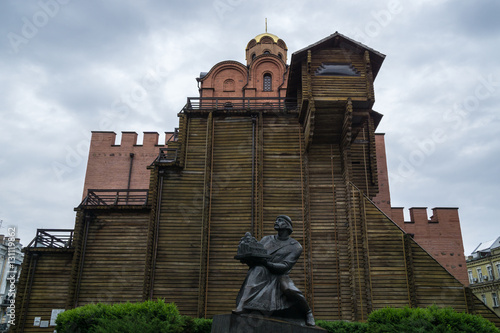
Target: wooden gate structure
[(243, 157)]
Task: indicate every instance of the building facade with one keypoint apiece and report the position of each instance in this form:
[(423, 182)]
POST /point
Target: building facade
[(483, 269), (262, 139)]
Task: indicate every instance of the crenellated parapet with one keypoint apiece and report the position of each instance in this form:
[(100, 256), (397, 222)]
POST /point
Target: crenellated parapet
[(440, 235), (124, 165), (129, 139)]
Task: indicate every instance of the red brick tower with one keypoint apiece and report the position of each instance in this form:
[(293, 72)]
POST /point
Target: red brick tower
[(265, 74)]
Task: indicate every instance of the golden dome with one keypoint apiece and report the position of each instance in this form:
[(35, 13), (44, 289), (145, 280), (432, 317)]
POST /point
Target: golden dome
[(259, 37)]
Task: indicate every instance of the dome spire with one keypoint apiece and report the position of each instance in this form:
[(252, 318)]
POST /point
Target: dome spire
[(266, 25)]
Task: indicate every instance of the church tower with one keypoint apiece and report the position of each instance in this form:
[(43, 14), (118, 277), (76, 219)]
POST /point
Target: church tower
[(264, 75)]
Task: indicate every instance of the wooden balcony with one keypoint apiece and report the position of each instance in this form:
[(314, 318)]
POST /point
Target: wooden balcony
[(240, 104), (53, 238), (96, 197)]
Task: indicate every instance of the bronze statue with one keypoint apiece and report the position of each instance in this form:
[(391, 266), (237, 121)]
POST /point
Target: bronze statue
[(267, 287)]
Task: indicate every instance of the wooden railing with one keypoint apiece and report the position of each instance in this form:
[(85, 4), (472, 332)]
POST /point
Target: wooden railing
[(115, 197), (240, 103), (53, 238)]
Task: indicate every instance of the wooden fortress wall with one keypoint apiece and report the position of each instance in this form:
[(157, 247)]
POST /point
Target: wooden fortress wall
[(45, 277), (181, 247), (235, 172)]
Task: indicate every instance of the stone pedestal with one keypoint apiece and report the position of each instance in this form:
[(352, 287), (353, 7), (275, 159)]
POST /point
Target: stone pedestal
[(255, 323)]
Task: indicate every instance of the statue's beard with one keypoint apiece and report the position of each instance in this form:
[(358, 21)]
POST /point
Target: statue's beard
[(277, 228)]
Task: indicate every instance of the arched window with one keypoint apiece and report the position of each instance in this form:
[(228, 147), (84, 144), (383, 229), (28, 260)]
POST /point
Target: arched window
[(266, 52), (268, 86), (253, 56)]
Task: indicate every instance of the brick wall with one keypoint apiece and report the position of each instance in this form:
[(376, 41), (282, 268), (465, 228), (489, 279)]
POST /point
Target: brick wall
[(383, 198), (440, 235), (108, 165)]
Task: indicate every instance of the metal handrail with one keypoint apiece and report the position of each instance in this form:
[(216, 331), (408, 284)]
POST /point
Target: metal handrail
[(112, 197), (240, 103), (53, 238), (167, 155)]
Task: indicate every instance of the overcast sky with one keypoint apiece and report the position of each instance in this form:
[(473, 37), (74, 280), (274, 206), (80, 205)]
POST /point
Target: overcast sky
[(66, 64)]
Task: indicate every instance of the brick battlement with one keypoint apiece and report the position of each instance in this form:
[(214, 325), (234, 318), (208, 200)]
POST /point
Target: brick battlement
[(440, 235), (129, 139), (419, 215)]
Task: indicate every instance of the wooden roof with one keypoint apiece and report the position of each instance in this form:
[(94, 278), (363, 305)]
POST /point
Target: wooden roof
[(334, 40)]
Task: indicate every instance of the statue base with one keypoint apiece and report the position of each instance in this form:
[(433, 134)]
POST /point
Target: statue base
[(258, 323)]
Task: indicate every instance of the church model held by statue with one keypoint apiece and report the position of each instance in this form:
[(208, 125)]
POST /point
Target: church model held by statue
[(263, 138)]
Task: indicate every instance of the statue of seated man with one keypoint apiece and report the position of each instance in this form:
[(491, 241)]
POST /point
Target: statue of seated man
[(267, 287)]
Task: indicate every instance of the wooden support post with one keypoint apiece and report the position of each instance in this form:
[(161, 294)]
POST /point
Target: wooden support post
[(366, 254), (469, 299), (260, 177), (410, 275), (309, 83), (372, 150), (304, 175), (370, 93), (205, 232), (156, 189), (336, 238), (345, 148), (81, 226)]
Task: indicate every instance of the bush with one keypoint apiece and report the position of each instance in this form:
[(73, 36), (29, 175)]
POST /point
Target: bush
[(153, 317), (431, 319), (343, 326), (146, 317), (201, 325)]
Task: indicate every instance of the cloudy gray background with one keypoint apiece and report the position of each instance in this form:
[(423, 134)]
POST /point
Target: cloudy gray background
[(68, 66)]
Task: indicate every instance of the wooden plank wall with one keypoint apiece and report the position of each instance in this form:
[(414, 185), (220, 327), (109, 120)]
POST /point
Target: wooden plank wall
[(364, 160), (335, 87), (178, 261), (329, 233), (230, 210), (283, 177), (115, 253), (386, 256), (433, 283), (218, 176), (402, 274), (49, 289)]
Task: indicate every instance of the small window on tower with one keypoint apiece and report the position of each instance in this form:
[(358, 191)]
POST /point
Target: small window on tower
[(253, 56), (268, 86), (267, 52)]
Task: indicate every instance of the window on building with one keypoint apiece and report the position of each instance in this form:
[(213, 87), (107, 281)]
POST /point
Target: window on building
[(471, 278), (498, 270), (490, 273), (483, 296), (495, 299), (267, 52), (268, 86), (253, 56), (479, 275)]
